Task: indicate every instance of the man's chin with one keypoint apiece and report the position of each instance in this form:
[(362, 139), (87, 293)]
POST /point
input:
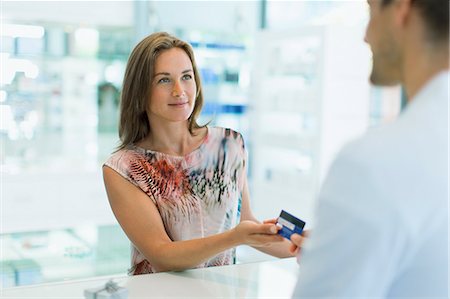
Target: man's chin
[(378, 79)]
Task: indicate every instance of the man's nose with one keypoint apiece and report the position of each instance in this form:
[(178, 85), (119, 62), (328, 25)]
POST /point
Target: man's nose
[(366, 34)]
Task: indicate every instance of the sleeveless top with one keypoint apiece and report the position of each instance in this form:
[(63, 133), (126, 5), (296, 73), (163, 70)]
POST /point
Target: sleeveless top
[(197, 195)]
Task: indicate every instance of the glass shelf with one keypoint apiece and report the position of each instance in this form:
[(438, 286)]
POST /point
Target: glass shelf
[(47, 256)]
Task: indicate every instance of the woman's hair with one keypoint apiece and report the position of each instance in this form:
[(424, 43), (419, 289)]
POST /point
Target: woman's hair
[(136, 89)]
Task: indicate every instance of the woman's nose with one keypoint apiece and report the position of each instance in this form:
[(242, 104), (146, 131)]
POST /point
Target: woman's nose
[(177, 90)]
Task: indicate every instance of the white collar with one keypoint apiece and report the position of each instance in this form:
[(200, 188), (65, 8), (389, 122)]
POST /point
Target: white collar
[(433, 85)]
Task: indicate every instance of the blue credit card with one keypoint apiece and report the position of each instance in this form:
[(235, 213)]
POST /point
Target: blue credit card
[(290, 225)]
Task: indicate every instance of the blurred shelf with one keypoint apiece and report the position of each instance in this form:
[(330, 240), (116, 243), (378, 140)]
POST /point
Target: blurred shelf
[(217, 46), (47, 256)]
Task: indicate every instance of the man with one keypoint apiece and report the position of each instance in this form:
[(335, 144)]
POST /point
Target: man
[(382, 216)]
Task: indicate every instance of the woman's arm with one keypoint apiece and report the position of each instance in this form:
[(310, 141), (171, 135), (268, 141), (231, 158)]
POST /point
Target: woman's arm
[(142, 223)]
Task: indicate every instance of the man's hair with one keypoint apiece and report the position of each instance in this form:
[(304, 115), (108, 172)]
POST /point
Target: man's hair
[(435, 14)]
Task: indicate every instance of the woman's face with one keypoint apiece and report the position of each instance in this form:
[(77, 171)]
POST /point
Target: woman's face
[(173, 88)]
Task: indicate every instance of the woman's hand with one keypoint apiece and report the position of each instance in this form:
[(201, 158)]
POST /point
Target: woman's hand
[(256, 234)]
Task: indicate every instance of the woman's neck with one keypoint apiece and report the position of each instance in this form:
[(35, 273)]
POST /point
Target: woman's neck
[(172, 139)]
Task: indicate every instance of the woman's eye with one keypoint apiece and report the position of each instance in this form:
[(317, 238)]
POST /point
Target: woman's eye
[(163, 80), (187, 77)]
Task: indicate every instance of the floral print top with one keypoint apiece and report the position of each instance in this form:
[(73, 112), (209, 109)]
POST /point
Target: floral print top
[(197, 195)]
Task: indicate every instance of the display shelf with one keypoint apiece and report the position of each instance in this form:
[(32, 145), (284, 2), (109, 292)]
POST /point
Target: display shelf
[(223, 68), (61, 254), (385, 104), (301, 112)]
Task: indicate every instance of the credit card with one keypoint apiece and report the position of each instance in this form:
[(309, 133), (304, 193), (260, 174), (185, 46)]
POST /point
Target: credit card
[(290, 225)]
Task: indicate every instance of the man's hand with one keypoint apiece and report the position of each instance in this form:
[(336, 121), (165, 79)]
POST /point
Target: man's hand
[(297, 241)]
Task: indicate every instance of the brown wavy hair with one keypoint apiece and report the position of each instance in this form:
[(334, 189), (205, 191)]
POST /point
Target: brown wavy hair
[(136, 89)]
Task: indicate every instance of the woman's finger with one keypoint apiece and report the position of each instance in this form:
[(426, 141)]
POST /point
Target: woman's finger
[(273, 220)]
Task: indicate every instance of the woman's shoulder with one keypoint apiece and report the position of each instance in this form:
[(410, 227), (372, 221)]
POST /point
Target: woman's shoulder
[(222, 132), (227, 135), (123, 158)]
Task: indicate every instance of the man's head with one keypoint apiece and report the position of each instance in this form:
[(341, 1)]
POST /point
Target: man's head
[(387, 32)]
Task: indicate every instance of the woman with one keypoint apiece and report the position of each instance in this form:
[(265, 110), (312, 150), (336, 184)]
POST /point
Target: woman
[(178, 189)]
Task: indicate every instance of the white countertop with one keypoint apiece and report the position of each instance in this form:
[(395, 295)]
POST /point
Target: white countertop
[(269, 279)]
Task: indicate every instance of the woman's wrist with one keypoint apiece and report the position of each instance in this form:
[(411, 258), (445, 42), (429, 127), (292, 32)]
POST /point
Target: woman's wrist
[(234, 237)]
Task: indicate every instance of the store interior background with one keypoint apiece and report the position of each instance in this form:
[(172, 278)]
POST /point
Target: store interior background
[(291, 76)]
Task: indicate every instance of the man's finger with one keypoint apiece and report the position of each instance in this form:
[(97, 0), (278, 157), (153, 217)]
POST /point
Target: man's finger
[(296, 239)]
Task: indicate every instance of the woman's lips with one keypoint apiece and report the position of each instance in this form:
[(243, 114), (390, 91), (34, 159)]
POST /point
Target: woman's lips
[(178, 104)]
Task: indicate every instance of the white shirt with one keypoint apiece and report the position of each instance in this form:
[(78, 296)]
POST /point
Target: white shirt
[(382, 217)]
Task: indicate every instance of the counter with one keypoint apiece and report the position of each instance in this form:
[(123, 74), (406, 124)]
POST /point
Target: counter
[(268, 279)]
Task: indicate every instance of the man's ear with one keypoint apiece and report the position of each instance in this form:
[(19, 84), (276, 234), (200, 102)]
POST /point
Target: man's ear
[(402, 12)]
